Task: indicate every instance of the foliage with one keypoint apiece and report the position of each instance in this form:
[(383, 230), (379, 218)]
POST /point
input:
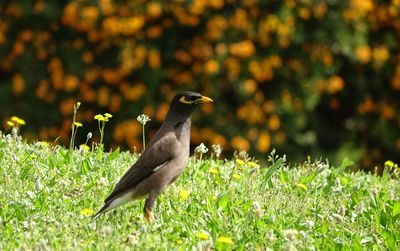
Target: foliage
[(306, 77), (49, 194)]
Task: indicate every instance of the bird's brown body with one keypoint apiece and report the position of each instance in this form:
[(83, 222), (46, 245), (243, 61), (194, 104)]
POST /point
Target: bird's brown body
[(163, 160)]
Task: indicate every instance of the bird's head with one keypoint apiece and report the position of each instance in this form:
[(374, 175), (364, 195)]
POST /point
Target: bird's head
[(184, 103), (191, 98)]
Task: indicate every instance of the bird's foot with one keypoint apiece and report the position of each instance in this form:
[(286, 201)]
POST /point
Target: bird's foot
[(148, 215)]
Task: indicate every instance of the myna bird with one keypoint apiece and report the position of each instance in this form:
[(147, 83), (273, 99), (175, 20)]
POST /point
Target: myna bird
[(162, 161)]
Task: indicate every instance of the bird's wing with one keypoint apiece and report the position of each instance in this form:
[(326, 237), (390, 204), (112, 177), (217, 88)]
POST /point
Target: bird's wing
[(157, 155)]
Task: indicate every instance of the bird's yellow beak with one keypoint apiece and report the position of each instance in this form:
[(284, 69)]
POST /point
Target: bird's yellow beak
[(203, 100)]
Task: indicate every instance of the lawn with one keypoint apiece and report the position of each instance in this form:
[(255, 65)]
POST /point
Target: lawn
[(49, 193)]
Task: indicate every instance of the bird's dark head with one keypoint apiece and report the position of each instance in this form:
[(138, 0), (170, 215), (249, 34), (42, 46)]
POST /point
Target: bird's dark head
[(184, 103), (187, 98)]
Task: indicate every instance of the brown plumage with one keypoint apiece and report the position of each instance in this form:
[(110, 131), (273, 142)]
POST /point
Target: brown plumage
[(163, 160)]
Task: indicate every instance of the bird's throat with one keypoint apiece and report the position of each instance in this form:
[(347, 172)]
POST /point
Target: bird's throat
[(182, 130)]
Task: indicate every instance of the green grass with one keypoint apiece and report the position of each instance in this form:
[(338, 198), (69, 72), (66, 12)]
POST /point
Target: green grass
[(47, 191)]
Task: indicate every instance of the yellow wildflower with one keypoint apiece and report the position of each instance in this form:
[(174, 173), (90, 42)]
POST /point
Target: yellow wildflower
[(100, 117), (213, 171), (236, 176), (224, 239), (202, 235), (17, 120), (389, 163), (44, 143), (78, 124), (184, 194), (179, 242), (84, 147), (240, 162), (86, 212), (10, 123), (108, 115), (302, 186), (21, 122), (253, 164), (78, 104)]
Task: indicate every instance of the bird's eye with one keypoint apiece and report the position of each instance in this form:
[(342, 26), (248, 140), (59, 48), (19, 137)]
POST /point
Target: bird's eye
[(188, 99)]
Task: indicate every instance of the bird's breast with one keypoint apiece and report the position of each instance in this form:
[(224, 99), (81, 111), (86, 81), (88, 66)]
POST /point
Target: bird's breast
[(182, 132)]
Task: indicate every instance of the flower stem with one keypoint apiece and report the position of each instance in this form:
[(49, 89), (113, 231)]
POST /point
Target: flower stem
[(143, 138), (101, 129), (73, 133)]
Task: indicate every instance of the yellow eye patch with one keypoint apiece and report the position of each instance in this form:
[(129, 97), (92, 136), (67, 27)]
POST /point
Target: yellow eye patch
[(185, 101), (199, 100)]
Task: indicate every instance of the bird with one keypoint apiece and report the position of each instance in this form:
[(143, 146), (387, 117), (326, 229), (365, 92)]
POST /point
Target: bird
[(163, 160)]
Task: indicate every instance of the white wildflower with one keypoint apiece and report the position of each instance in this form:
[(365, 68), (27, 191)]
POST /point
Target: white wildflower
[(304, 234), (291, 234), (106, 230), (243, 155), (353, 216), (291, 247), (272, 218), (217, 149), (257, 209), (43, 244), (30, 194), (132, 238), (337, 217), (143, 119), (321, 166), (38, 184), (375, 191), (360, 207), (271, 235), (338, 187), (102, 182), (201, 149), (93, 225), (309, 223)]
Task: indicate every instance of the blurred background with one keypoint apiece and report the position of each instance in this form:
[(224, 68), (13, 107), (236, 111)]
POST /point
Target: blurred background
[(307, 77)]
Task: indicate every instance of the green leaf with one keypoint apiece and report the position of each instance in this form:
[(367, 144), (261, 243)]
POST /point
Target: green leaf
[(396, 209), (272, 169), (345, 164), (324, 228), (113, 155), (85, 168), (389, 239), (356, 245), (223, 200)]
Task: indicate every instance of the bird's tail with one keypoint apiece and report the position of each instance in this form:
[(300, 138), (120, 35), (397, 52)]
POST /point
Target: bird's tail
[(113, 203), (104, 209)]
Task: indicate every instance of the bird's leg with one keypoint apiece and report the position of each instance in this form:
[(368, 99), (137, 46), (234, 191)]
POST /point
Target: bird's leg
[(148, 206)]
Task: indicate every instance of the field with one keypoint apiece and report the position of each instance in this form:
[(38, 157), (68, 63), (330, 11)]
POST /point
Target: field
[(49, 193)]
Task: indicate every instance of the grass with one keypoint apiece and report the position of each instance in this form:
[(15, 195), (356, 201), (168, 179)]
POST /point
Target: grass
[(48, 194)]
